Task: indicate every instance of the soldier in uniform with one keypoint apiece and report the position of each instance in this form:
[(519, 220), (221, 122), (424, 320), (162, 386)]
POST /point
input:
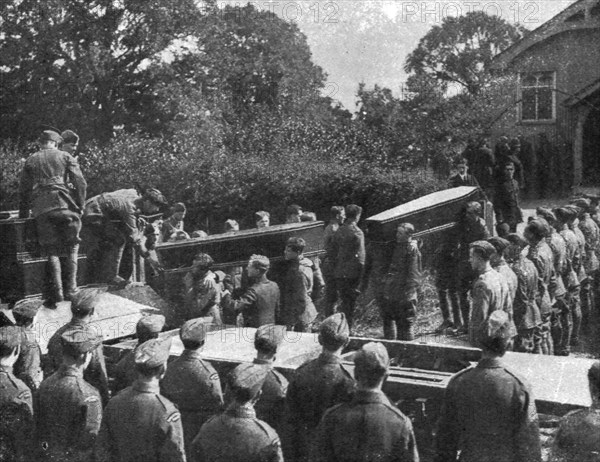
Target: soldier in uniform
[(83, 307), (263, 219), (28, 367), (490, 290), (370, 427), (192, 383), (202, 292), (489, 412), (106, 239), (338, 215), (542, 257), (270, 407), (293, 213), (577, 436), (56, 210), (70, 142), (299, 287), (446, 265), (174, 223), (462, 177), (471, 228), (146, 329), (237, 434), (584, 287), (348, 253), (259, 304), (526, 312), (16, 406), (499, 264), (140, 424), (69, 410), (317, 385), (506, 198), (399, 310), (482, 164)]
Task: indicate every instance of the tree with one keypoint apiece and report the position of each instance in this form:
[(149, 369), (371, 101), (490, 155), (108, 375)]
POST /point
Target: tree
[(461, 49), (78, 63)]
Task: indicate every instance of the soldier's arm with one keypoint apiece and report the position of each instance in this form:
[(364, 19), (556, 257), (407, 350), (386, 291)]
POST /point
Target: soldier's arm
[(25, 193), (91, 419), (172, 449), (97, 370), (318, 280), (480, 302), (104, 450), (414, 269), (447, 431), (31, 366), (22, 425), (216, 392), (527, 435), (409, 450), (247, 300), (77, 179), (209, 295)]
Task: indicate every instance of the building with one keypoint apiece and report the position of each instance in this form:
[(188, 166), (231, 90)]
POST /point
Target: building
[(556, 111)]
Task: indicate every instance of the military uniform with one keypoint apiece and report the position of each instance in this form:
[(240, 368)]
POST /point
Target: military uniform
[(193, 385), (348, 252), (271, 405), (140, 424), (506, 203), (16, 407), (259, 304), (328, 267), (316, 386), (560, 309), (526, 312), (489, 415), (368, 428), (69, 410), (399, 311), (28, 367), (95, 374), (464, 180), (202, 296), (298, 288), (509, 275), (591, 234), (574, 263), (577, 437)]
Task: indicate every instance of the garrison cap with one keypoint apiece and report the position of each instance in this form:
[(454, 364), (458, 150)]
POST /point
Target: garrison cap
[(545, 213), (260, 262), (538, 227), (248, 377), (576, 210), (50, 135), (499, 243), (495, 328), (484, 247), (335, 329), (203, 260), (84, 301), (565, 213), (27, 308), (153, 353), (154, 195), (194, 330), (79, 340), (269, 337), (372, 356), (69, 136), (582, 203), (151, 324), (231, 225), (517, 239), (10, 338)]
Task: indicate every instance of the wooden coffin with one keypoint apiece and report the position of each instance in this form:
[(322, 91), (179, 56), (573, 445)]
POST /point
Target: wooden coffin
[(429, 214), (17, 235), (234, 249)]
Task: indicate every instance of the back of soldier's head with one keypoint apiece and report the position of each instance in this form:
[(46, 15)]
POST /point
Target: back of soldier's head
[(353, 211), (334, 332), (371, 364), (84, 302)]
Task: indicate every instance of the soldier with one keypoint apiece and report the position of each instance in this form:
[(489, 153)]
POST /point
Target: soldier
[(565, 217), (237, 434), (70, 142), (541, 255), (370, 427), (259, 303), (263, 219), (462, 178), (56, 210), (192, 383), (270, 407), (202, 292), (506, 198), (298, 287), (577, 437), (338, 215), (490, 290), (28, 367), (348, 252), (471, 228), (69, 409), (581, 271), (489, 412), (560, 307), (293, 213), (399, 310), (499, 264), (317, 385), (526, 312), (16, 406), (447, 285), (482, 164), (174, 223), (83, 307), (139, 423), (231, 226), (111, 220), (147, 328)]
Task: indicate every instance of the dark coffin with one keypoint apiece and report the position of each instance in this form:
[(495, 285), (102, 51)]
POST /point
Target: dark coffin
[(429, 214), (234, 249), (17, 235)]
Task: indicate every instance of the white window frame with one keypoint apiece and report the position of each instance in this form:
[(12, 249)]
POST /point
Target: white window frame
[(553, 88)]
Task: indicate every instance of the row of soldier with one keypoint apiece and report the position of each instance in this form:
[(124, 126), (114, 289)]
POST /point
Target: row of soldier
[(175, 411)]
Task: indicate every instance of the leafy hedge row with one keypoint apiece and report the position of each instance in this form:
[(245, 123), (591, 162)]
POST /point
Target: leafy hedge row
[(217, 185)]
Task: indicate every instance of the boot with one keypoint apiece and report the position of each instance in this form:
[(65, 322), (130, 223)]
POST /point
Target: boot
[(447, 323), (455, 303), (56, 289), (71, 270), (111, 261)]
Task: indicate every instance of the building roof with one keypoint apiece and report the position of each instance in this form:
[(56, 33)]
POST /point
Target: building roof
[(583, 14)]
